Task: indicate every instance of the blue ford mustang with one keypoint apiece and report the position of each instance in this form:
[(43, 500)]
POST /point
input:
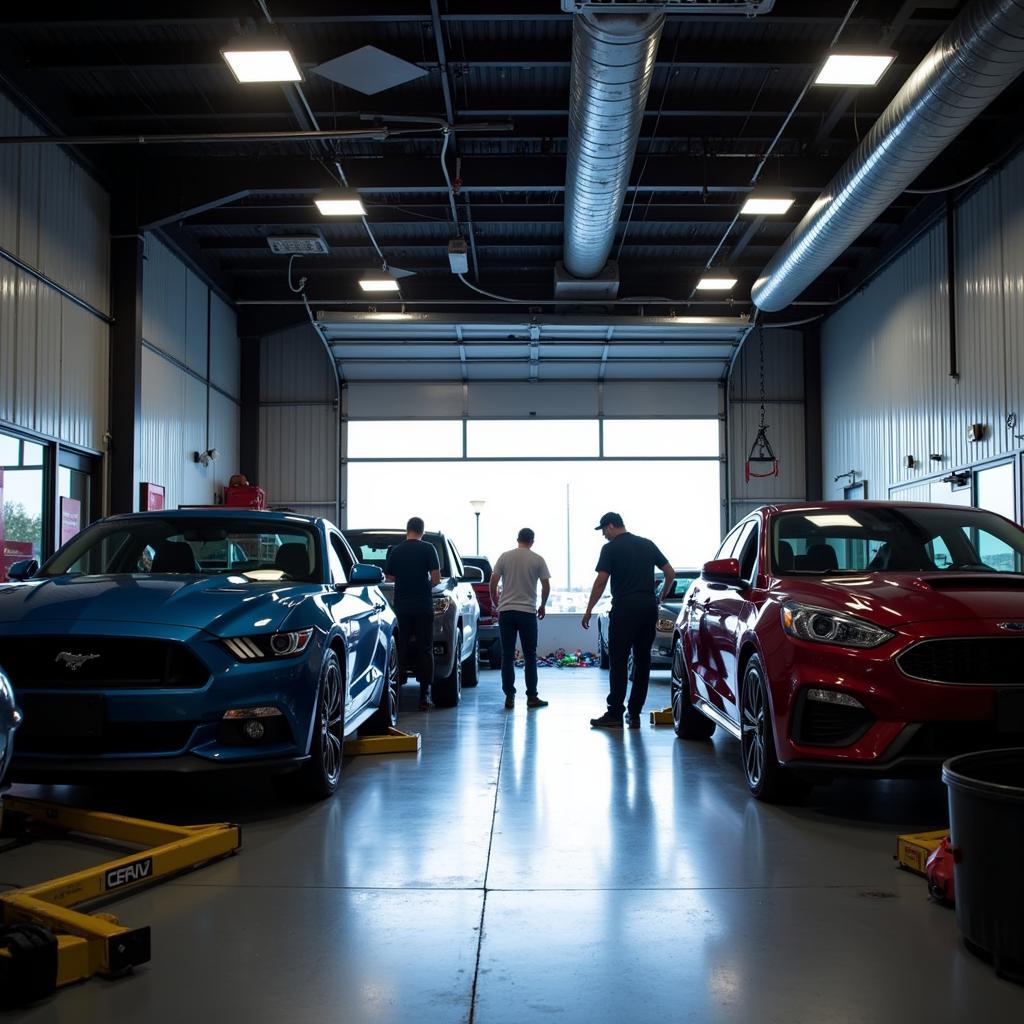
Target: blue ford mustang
[(196, 640)]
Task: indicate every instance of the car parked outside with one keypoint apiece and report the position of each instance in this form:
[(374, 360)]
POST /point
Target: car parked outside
[(487, 628), (668, 611), (129, 651), (856, 637), (456, 610)]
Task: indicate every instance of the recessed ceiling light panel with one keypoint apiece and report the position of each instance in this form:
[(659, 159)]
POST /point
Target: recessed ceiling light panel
[(854, 68), (766, 205), (715, 284), (340, 203), (261, 63), (378, 283)]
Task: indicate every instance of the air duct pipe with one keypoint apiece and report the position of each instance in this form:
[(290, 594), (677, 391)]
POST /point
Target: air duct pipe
[(980, 54), (612, 65)]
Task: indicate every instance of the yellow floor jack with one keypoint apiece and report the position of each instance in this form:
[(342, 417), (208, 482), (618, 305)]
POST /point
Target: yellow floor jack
[(44, 941)]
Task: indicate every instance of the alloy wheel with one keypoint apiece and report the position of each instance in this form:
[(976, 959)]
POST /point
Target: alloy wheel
[(332, 724), (753, 723)]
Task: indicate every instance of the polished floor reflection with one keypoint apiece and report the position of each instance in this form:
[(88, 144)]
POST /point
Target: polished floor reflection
[(523, 867)]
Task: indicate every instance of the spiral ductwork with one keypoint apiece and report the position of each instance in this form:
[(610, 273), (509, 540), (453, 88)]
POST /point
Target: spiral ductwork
[(612, 65), (980, 54)]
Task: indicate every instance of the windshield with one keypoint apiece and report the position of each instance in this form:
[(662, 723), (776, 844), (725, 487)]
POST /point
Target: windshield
[(153, 544), (898, 539), (680, 585), (371, 546)]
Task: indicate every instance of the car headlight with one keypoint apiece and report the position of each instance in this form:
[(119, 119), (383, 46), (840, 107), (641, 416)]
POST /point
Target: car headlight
[(442, 604), (829, 627), (666, 625), (276, 645)]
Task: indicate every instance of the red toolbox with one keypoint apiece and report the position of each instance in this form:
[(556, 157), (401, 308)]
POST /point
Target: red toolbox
[(245, 497)]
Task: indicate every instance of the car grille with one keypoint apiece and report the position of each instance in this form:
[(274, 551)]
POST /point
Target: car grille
[(829, 725), (985, 659), (121, 663), (116, 738)]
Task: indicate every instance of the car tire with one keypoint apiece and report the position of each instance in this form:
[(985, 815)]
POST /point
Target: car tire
[(386, 715), (321, 773), (447, 690), (471, 666), (767, 779), (689, 723), (494, 654), (602, 647)]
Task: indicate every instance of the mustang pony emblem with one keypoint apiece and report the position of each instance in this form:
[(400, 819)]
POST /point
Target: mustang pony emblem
[(73, 662)]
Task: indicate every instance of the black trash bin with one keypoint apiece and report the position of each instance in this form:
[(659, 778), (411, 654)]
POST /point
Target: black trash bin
[(986, 820)]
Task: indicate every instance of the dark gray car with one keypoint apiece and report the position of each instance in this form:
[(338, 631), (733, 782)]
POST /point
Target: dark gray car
[(456, 610)]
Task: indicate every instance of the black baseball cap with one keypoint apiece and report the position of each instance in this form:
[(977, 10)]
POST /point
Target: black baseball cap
[(610, 519)]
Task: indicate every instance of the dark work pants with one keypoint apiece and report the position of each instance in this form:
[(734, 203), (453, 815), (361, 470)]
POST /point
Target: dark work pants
[(632, 623), (525, 624), (416, 647)]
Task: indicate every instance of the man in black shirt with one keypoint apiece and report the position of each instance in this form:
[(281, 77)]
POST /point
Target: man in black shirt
[(413, 567), (629, 561)]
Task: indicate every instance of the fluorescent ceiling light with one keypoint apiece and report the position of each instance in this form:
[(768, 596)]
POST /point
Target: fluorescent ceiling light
[(854, 68), (715, 284), (340, 203), (378, 283), (261, 62), (765, 205)]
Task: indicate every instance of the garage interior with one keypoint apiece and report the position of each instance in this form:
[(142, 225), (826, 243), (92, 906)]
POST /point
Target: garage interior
[(515, 315)]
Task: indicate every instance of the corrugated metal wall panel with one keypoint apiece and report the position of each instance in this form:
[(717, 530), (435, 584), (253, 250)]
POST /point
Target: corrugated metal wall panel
[(224, 435), (47, 361), (85, 376), (10, 124), (25, 326), (197, 342), (162, 430), (225, 354), (784, 366), (29, 164), (298, 458), (8, 338), (164, 300), (294, 366), (887, 392), (198, 483), (786, 433)]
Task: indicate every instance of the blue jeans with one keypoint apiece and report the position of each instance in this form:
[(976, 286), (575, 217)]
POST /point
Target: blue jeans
[(525, 624)]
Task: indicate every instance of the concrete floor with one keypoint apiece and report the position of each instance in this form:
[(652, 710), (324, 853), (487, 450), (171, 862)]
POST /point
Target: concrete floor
[(523, 867)]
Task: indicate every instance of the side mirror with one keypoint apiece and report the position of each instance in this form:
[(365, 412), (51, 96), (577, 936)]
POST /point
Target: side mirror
[(23, 570), (474, 574), (721, 570), (366, 575)]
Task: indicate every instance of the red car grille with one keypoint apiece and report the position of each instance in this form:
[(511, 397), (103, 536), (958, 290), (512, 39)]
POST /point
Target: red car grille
[(984, 660)]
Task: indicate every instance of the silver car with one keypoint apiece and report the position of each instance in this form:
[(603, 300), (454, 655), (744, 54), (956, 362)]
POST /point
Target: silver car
[(456, 610), (668, 610)]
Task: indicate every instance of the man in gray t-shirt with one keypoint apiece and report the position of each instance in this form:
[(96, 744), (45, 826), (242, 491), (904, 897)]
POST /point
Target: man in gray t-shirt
[(520, 570)]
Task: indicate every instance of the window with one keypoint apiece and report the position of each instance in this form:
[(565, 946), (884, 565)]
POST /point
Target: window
[(746, 550), (338, 556), (524, 439), (661, 438), (996, 490), (21, 501), (404, 439)]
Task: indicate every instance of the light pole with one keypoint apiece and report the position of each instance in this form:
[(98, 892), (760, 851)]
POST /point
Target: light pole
[(478, 504)]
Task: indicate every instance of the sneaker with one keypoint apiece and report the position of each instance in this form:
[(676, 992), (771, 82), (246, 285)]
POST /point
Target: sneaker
[(607, 721), (536, 702), (633, 720), (510, 703), (425, 704)]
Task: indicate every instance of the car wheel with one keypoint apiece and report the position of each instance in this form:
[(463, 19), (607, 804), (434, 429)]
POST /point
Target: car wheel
[(602, 647), (766, 778), (322, 772), (447, 690), (386, 715), (689, 723), (494, 654), (471, 666)]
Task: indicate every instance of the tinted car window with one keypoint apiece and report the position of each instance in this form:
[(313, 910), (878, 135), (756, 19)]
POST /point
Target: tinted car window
[(480, 563), (193, 546), (339, 559), (896, 539), (371, 546)]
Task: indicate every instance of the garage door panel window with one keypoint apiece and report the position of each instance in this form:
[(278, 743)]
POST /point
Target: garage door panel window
[(681, 439), (405, 439), (526, 439)]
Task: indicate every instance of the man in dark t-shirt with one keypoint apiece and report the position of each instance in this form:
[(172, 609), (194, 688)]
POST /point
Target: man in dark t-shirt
[(629, 562), (413, 567)]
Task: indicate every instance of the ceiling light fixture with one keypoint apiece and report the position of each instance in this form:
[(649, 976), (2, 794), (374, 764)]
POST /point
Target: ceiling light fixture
[(378, 283), (256, 59), (342, 202), (715, 284), (854, 68), (764, 204)]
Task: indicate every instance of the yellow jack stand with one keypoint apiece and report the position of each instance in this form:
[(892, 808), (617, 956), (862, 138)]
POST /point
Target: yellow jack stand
[(394, 742), (663, 717), (913, 850), (87, 944)]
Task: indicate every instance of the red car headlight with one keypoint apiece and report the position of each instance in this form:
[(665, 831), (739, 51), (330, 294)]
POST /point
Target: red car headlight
[(825, 626)]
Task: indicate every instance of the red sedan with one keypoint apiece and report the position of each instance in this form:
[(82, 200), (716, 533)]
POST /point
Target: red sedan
[(866, 637)]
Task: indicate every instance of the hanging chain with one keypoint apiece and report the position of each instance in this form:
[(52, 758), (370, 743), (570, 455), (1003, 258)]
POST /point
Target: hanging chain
[(764, 387)]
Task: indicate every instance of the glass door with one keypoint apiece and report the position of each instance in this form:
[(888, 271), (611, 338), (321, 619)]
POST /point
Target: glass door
[(78, 493)]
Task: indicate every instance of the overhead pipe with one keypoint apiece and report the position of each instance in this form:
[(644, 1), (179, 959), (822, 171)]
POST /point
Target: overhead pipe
[(612, 66), (980, 54)]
